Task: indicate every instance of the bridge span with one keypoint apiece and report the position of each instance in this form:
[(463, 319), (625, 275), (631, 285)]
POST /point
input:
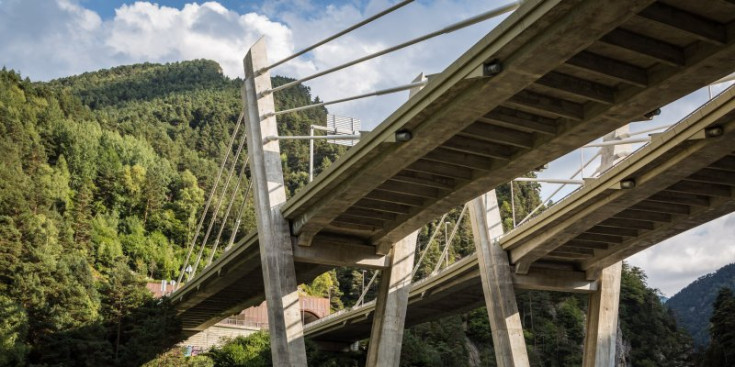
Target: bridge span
[(551, 77), (683, 178)]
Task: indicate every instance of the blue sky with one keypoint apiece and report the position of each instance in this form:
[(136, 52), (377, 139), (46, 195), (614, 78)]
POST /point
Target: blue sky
[(272, 8), (46, 39), (106, 8)]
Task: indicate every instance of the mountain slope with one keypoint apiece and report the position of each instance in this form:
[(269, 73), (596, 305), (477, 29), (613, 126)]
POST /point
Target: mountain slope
[(692, 306), (103, 177)]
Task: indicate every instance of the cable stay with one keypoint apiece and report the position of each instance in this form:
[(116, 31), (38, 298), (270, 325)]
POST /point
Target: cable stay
[(428, 245), (361, 300), (549, 180), (449, 29), (227, 211), (211, 195), (337, 35), (543, 202), (447, 245), (219, 204), (244, 206), (347, 99)]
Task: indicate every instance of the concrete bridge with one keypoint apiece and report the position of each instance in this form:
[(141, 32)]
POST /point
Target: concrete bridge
[(683, 179), (551, 77)]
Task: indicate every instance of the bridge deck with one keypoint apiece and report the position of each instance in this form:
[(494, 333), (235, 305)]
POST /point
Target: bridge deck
[(572, 71), (707, 166), (682, 179), (231, 284)]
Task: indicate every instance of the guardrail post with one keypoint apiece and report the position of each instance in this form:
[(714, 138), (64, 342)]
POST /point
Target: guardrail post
[(276, 254), (497, 283)]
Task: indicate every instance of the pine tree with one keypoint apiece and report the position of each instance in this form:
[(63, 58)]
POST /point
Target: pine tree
[(721, 352)]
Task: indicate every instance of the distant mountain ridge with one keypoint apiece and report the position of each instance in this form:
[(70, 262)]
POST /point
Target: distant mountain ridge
[(692, 306), (144, 82)]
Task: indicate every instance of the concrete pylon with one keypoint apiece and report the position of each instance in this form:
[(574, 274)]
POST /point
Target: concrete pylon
[(276, 255), (497, 283), (602, 312), (602, 319), (386, 337), (611, 154)]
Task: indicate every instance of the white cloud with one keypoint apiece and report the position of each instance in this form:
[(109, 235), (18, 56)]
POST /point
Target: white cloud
[(57, 38), (673, 264), (49, 39), (145, 31)]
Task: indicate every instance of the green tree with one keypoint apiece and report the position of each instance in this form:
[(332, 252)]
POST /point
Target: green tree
[(325, 285), (105, 239), (13, 332), (252, 351), (122, 294), (721, 351)]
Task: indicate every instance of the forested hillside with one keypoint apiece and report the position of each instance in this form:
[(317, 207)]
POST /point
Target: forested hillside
[(102, 179), (693, 304)]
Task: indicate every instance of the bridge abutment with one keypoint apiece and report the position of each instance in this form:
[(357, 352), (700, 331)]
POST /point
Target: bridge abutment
[(279, 275)]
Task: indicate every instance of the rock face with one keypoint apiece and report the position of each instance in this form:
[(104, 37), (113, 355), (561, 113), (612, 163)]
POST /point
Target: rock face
[(473, 352), (622, 349)]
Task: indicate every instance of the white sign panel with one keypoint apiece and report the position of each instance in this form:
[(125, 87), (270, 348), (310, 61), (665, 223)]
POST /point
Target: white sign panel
[(340, 125)]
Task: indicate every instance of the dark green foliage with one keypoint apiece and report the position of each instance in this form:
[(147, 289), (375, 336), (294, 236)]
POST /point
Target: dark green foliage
[(721, 351), (254, 351), (125, 84), (351, 284), (648, 327), (102, 180), (176, 358), (693, 304), (13, 331), (251, 351), (553, 326), (440, 343)]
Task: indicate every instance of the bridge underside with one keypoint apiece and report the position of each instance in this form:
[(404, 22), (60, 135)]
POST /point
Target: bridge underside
[(455, 290), (684, 177), (572, 72), (233, 283)]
